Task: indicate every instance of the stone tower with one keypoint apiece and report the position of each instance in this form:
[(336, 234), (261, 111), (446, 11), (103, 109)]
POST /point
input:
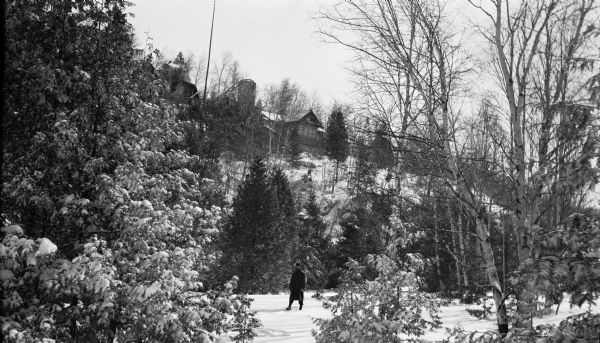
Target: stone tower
[(246, 94)]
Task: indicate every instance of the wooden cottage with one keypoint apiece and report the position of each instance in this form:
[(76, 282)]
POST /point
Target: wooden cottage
[(185, 92), (303, 126)]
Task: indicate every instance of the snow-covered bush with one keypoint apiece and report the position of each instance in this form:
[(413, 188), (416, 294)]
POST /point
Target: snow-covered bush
[(132, 283), (485, 311), (23, 263), (156, 246), (563, 262), (584, 327), (90, 298), (391, 308), (245, 321), (388, 309)]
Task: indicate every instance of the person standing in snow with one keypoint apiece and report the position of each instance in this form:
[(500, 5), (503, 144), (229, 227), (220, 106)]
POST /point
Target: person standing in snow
[(297, 284)]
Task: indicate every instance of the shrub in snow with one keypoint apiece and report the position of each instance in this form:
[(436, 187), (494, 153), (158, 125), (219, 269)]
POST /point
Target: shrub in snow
[(24, 264), (105, 294), (486, 304), (156, 237), (245, 321), (387, 309), (562, 261), (391, 308), (584, 327)]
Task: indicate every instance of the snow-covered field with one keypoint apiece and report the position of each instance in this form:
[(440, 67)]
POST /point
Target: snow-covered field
[(295, 326), (286, 326)]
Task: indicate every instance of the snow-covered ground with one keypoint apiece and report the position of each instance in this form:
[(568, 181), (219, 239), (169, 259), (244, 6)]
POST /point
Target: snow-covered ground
[(295, 326), (280, 325)]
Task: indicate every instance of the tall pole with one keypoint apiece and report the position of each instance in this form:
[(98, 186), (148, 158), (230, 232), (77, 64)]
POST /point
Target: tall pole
[(209, 50)]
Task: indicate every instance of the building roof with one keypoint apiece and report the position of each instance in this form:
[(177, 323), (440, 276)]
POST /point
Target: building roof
[(270, 116), (292, 117), (184, 89), (297, 116)]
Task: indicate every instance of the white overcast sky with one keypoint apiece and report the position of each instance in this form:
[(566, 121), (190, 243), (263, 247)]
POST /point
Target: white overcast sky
[(271, 39)]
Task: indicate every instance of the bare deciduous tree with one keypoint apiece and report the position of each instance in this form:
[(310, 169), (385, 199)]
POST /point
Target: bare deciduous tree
[(225, 74), (199, 72), (542, 49)]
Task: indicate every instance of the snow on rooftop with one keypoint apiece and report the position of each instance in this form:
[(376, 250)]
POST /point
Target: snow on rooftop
[(289, 118), (270, 116)]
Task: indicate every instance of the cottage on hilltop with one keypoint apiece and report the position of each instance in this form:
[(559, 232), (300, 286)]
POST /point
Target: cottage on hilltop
[(304, 126)]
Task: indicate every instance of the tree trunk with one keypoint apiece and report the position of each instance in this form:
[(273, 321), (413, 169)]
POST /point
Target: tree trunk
[(335, 180), (454, 242), (436, 239), (491, 271), (461, 243)]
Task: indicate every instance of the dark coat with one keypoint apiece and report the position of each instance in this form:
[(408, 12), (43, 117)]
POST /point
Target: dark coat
[(297, 283)]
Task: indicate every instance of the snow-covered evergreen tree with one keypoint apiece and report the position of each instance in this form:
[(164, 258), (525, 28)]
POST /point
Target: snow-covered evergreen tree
[(336, 143), (312, 243), (382, 150), (257, 240), (363, 177)]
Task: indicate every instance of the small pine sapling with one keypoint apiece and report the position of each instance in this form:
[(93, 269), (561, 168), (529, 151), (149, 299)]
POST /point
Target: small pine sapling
[(244, 321), (486, 304)]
